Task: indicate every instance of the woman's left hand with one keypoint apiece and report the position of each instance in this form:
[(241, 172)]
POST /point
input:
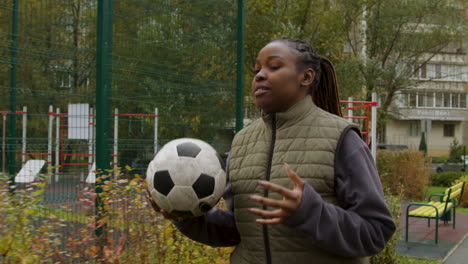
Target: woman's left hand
[(285, 207)]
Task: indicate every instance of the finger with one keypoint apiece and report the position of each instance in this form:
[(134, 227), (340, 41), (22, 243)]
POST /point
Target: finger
[(285, 192), (268, 214), (293, 176), (270, 221), (282, 204)]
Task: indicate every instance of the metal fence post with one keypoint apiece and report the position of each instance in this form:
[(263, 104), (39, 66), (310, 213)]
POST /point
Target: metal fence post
[(12, 122), (103, 101), (240, 66)]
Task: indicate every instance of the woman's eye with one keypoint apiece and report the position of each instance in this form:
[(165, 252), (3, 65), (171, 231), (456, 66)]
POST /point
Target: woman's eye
[(275, 67), (255, 71)]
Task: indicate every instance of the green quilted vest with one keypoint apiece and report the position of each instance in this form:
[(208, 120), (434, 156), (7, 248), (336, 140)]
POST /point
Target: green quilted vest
[(305, 137)]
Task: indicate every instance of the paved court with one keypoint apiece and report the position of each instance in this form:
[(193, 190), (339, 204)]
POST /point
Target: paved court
[(421, 241)]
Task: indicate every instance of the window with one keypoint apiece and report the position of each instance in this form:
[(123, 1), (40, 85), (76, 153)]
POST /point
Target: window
[(439, 100), (449, 130), (430, 99), (411, 100), (414, 129), (456, 100), (463, 100), (419, 71), (446, 100), (421, 101), (438, 71), (423, 71)]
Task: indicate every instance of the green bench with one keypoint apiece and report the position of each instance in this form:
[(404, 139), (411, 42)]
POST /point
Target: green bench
[(438, 210)]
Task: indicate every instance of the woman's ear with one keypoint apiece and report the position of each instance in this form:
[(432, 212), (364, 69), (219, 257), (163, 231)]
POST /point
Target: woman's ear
[(308, 77)]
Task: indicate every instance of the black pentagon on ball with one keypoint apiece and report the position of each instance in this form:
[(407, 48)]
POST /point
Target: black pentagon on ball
[(204, 186), (162, 182), (188, 149)]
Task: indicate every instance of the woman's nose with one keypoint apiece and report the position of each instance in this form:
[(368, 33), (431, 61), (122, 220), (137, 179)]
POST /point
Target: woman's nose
[(260, 76)]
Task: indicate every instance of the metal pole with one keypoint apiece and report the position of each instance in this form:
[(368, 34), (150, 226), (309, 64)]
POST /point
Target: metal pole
[(24, 135), (374, 127), (12, 123), (4, 142), (350, 110), (240, 65), (103, 102), (49, 142), (90, 139), (57, 145), (156, 119), (116, 137)]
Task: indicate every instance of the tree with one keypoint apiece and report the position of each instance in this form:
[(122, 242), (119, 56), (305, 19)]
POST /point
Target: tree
[(394, 38), (319, 22)]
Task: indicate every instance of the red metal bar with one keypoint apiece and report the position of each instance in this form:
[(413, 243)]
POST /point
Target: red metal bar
[(56, 114), (360, 102), (78, 154), (152, 115), (76, 164), (359, 106), (17, 112), (356, 117), (114, 155)]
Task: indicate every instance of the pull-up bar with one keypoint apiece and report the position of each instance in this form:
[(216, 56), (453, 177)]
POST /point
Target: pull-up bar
[(370, 119)]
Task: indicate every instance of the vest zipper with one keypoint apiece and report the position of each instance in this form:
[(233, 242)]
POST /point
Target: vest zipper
[(266, 239)]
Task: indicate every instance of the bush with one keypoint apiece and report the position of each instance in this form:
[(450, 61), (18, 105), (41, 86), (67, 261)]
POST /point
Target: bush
[(388, 254), (405, 172), (30, 232), (445, 179), (464, 201)]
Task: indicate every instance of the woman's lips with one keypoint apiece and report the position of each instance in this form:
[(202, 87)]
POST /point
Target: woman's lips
[(261, 91)]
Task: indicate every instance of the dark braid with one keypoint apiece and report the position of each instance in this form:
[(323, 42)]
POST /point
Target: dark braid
[(324, 88)]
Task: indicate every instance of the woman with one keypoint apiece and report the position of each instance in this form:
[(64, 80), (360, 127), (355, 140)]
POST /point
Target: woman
[(327, 205)]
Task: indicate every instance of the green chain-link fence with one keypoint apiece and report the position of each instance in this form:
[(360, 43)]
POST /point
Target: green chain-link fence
[(82, 84)]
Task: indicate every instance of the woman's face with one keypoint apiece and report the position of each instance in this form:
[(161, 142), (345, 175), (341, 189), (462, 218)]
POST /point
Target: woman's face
[(278, 83)]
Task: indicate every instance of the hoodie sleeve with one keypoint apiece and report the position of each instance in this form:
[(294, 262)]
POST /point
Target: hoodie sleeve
[(215, 228), (361, 224)]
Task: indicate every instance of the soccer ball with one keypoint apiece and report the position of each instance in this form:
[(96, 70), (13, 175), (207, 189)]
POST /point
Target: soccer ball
[(186, 177)]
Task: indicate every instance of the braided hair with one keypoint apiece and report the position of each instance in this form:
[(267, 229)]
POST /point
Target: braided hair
[(324, 88)]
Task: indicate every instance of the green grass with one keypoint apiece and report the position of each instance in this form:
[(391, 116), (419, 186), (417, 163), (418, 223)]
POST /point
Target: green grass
[(412, 260), (435, 189)]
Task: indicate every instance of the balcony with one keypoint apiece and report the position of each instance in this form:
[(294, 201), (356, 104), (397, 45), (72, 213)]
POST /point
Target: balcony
[(444, 114)]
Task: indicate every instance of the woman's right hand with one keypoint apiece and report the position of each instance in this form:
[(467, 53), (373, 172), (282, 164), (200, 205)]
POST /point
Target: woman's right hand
[(162, 211)]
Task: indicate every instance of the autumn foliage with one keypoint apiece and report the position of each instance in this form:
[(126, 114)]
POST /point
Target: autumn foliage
[(405, 172), (31, 232)]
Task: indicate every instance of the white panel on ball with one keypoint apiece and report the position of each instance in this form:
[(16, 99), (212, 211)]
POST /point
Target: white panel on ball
[(186, 169), (181, 198)]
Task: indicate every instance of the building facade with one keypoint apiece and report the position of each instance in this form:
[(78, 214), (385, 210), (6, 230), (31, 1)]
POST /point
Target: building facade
[(437, 103)]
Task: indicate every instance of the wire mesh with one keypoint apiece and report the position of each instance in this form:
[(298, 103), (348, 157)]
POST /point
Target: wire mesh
[(173, 75)]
